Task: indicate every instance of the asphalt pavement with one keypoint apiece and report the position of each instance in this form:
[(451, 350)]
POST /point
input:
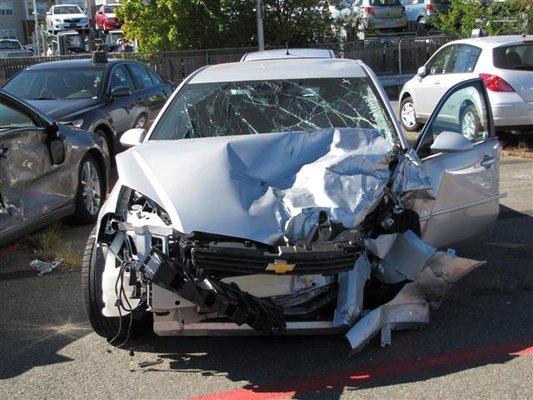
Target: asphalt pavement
[(478, 345)]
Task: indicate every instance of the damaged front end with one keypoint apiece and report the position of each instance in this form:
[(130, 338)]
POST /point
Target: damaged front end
[(324, 242)]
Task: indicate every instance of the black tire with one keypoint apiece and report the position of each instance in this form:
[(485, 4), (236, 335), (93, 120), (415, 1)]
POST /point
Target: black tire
[(91, 282), (108, 147), (138, 121), (408, 127), (82, 214)]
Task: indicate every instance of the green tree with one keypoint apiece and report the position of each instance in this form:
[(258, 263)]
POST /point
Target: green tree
[(497, 18), (160, 25)]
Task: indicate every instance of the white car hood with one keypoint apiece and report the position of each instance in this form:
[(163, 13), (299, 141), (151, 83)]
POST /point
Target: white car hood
[(262, 187), (68, 16)]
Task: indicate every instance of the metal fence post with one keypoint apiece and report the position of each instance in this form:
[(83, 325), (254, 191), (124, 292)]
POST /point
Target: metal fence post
[(399, 56)]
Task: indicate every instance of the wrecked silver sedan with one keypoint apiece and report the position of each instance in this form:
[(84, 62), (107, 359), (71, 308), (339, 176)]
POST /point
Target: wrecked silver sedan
[(281, 197)]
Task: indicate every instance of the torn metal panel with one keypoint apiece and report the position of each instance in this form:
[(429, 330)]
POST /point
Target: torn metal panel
[(410, 307), (351, 291), (267, 186), (402, 256), (410, 174)]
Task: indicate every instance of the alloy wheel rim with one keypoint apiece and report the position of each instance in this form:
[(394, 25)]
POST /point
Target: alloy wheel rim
[(141, 122), (408, 115), (90, 182), (468, 125)]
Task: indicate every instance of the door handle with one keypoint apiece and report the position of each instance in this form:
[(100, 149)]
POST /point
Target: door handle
[(487, 161), (437, 82), (4, 151)]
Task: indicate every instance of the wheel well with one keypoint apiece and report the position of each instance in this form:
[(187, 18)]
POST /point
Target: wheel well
[(405, 95), (101, 163), (110, 138)]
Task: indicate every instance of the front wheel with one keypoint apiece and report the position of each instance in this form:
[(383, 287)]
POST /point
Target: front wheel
[(470, 122), (408, 115), (91, 190), (91, 281)]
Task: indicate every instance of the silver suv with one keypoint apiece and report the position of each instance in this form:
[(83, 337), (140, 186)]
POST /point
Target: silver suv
[(381, 14)]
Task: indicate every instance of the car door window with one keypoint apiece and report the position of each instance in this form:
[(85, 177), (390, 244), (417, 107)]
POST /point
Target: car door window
[(141, 76), (464, 112), (11, 118), (121, 77), (438, 64), (462, 59), (155, 78)]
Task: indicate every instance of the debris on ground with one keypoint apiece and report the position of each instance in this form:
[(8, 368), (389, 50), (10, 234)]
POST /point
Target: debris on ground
[(44, 267)]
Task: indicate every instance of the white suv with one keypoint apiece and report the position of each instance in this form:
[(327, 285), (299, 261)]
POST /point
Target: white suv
[(66, 17), (505, 63)]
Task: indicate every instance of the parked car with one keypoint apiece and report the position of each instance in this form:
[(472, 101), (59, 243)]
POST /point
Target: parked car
[(419, 12), (13, 48), (107, 98), (106, 18), (381, 15), (280, 195), (505, 63), (66, 17), (47, 170)]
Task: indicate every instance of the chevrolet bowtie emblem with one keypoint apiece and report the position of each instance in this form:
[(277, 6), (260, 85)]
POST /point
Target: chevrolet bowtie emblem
[(280, 267)]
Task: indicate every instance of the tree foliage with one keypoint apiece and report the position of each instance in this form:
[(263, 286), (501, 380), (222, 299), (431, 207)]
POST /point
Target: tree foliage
[(160, 25), (497, 18)]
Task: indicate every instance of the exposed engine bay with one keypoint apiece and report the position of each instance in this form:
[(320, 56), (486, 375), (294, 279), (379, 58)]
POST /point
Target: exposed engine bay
[(327, 241)]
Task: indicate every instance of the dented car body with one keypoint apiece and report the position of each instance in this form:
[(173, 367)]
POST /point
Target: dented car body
[(280, 196)]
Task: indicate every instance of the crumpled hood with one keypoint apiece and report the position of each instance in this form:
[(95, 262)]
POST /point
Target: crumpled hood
[(262, 187)]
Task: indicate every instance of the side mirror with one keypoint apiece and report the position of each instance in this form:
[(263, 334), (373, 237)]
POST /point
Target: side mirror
[(52, 130), (120, 91), (450, 142), (132, 137), (49, 13), (57, 151), (422, 71)]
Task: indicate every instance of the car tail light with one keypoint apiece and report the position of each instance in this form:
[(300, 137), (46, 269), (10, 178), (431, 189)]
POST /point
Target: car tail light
[(495, 83), (430, 7), (369, 10)]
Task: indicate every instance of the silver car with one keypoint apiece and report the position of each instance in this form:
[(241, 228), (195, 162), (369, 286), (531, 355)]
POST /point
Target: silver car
[(272, 195), (381, 14), (505, 63), (419, 12), (47, 170)]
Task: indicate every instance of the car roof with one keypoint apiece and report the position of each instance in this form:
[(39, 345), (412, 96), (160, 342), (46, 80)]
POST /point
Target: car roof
[(287, 53), (496, 41), (297, 68), (73, 64)]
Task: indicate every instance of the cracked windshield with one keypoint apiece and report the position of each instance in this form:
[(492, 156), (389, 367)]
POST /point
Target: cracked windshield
[(243, 108)]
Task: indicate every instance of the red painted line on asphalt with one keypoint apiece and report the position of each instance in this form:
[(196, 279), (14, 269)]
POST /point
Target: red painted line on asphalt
[(10, 250), (397, 368)]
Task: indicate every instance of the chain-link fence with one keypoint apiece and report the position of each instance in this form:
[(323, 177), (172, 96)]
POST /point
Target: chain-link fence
[(386, 56)]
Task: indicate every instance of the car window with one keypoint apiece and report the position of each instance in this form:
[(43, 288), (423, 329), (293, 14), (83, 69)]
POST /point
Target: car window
[(463, 59), (464, 112), (57, 83), (67, 10), (11, 118), (141, 76), (270, 106), (437, 65), (121, 77), (378, 3), (514, 57), (156, 79)]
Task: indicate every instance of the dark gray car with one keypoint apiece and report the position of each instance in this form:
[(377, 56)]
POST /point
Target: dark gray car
[(47, 170)]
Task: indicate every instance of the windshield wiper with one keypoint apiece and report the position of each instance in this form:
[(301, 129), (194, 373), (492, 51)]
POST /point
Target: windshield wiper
[(42, 98)]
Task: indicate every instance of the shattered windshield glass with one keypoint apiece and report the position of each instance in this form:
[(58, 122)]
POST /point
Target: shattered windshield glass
[(251, 107)]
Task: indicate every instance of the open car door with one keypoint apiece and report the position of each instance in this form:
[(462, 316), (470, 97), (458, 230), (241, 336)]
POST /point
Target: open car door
[(460, 152)]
